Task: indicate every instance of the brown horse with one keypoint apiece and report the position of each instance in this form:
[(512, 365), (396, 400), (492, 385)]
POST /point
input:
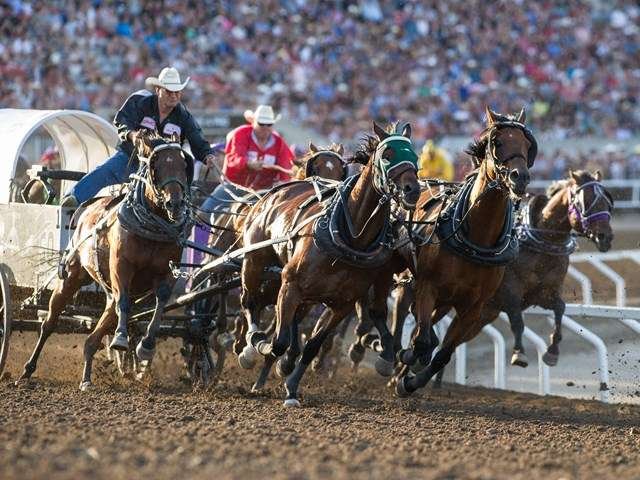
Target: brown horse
[(537, 275), (464, 267), (311, 272), (127, 253), (325, 163)]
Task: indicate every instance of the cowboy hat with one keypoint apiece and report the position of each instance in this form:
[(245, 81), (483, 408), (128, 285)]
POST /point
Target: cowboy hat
[(262, 115), (169, 78)]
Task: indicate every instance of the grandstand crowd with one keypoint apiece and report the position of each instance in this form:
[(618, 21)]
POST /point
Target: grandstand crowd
[(335, 65)]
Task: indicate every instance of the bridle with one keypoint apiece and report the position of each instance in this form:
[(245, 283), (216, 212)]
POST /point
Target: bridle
[(585, 214), (502, 170), (308, 169), (149, 177)]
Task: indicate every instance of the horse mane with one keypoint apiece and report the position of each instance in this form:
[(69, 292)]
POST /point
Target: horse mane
[(368, 145), (555, 187), (476, 149)]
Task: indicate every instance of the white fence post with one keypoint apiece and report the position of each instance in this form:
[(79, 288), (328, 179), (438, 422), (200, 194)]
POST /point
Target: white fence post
[(611, 274), (585, 284), (596, 341), (499, 357)]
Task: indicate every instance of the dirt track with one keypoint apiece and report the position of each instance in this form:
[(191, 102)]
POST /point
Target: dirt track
[(349, 427)]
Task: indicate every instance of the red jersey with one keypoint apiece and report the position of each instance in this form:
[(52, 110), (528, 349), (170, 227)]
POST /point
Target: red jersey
[(242, 147)]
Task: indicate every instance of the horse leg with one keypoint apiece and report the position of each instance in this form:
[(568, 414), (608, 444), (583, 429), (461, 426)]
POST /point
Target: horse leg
[(105, 325), (328, 359), (147, 346), (363, 326), (121, 277), (239, 332), (421, 349), (403, 301), (465, 326), (64, 290), (384, 364), (550, 357), (287, 362), (311, 348), (250, 300), (516, 322)]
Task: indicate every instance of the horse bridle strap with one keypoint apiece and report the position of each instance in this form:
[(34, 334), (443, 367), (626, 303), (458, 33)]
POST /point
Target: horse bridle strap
[(581, 211), (166, 146), (309, 165), (491, 149)]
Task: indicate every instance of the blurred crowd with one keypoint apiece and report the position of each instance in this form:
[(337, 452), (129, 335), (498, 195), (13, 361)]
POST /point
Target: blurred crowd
[(334, 66)]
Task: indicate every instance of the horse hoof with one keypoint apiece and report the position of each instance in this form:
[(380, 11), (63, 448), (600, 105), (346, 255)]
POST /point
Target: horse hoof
[(550, 359), (284, 368), (247, 358), (401, 389), (519, 359), (225, 340), (291, 402), (120, 342), (384, 367), (86, 386), (418, 366), (356, 353), (144, 353)]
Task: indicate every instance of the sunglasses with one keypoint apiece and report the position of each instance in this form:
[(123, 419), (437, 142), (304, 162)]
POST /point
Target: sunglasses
[(265, 124)]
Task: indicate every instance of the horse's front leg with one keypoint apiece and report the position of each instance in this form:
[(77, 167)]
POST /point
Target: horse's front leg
[(147, 346), (121, 277), (385, 362)]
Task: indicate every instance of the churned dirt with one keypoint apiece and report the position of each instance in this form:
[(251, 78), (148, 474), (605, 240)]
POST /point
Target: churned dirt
[(348, 427)]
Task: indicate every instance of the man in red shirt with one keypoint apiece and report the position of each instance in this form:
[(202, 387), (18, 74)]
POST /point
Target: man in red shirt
[(256, 156)]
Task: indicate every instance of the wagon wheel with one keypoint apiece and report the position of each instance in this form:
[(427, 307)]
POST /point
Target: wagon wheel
[(5, 319)]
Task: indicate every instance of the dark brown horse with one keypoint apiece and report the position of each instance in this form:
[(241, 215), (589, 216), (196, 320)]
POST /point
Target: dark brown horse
[(466, 240), (580, 204), (311, 275), (125, 257)]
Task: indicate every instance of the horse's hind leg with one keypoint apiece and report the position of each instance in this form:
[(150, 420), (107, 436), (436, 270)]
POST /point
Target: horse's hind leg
[(550, 357), (519, 357), (404, 299), (362, 328), (105, 325), (64, 290)]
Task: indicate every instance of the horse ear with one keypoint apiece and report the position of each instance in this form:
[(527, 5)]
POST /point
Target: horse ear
[(340, 150), (522, 116), (598, 175), (140, 141), (312, 147), (406, 130), (175, 137), (491, 116), (379, 131), (574, 175)]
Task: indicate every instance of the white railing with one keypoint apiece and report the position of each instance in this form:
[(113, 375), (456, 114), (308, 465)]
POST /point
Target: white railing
[(625, 192)]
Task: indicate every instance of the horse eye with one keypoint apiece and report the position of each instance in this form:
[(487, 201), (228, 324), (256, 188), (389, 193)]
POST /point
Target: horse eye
[(497, 143)]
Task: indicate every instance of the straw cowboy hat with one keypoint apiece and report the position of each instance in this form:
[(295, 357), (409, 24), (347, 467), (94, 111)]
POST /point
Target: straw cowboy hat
[(169, 78), (262, 115)]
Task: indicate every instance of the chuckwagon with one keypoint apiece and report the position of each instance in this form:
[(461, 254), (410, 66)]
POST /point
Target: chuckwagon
[(34, 237)]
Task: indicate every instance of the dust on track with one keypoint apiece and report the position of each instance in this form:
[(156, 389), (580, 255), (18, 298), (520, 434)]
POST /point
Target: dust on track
[(349, 427)]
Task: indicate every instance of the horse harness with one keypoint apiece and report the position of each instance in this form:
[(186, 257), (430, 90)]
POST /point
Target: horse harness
[(530, 239)]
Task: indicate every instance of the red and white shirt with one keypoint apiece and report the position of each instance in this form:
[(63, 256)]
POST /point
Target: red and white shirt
[(242, 147)]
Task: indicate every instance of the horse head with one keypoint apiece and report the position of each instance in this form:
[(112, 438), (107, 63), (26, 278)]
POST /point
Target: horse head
[(323, 162), (396, 164), (509, 149), (169, 173), (590, 208)]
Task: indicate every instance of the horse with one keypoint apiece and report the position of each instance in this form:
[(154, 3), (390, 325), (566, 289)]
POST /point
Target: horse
[(326, 250), (465, 265), (125, 246), (578, 204)]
